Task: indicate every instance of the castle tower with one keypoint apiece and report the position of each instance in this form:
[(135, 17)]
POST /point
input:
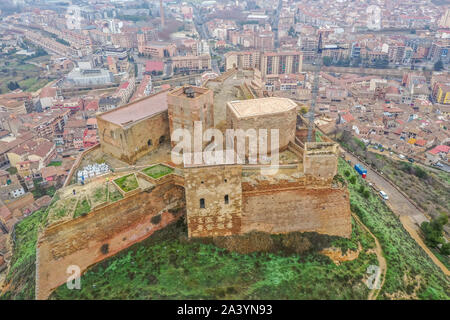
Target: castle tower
[(213, 200), (161, 8), (187, 105)]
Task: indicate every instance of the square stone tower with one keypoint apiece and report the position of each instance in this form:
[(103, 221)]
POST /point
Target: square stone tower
[(189, 104), (213, 200)]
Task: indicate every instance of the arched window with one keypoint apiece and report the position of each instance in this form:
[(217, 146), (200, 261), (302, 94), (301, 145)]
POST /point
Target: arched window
[(202, 203), (149, 142), (227, 200)]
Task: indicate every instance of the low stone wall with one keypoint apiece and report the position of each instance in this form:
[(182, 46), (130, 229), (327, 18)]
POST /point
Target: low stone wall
[(77, 163), (102, 233)]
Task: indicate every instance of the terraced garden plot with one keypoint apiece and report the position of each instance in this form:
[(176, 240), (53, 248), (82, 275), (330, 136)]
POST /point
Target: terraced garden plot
[(127, 183), (99, 196), (114, 194), (83, 207), (61, 209), (157, 171)]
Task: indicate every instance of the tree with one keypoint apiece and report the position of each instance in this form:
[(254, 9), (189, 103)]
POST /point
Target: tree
[(303, 110), (438, 66), (433, 230), (291, 31), (13, 85), (445, 249), (327, 61), (366, 194)]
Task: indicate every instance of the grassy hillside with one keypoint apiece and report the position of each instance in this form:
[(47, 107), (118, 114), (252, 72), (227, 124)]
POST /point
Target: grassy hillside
[(168, 266), (410, 273), (21, 276)]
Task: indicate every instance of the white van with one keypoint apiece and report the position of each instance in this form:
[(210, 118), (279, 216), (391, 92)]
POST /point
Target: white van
[(384, 195)]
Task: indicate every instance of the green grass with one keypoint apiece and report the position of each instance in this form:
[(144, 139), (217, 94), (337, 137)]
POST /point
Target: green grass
[(405, 258), (443, 258), (168, 266), (100, 194), (83, 207), (55, 164), (115, 195), (157, 171), (22, 272), (127, 183), (15, 68)]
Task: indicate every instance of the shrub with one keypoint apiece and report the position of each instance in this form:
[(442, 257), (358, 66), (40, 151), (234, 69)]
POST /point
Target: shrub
[(361, 189), (346, 173), (104, 248), (352, 180), (445, 249), (156, 219), (366, 194)]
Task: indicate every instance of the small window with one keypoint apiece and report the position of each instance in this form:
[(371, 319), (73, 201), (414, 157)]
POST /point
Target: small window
[(227, 200), (225, 180), (162, 139), (202, 203), (149, 142)]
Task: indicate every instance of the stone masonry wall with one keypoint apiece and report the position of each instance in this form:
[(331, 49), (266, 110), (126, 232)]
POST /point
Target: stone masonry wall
[(82, 241), (130, 143), (322, 210), (213, 184)]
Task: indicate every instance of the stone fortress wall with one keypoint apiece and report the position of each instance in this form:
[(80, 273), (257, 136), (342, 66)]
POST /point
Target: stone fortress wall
[(103, 232), (219, 200)]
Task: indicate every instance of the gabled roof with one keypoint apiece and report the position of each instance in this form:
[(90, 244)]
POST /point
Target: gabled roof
[(439, 149)]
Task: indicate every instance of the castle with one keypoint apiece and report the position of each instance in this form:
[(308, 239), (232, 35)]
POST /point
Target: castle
[(216, 199)]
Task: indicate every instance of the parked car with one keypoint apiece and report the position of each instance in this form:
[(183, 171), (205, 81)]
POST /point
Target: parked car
[(384, 195)]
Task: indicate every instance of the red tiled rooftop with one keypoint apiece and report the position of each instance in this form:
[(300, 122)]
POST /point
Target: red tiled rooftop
[(439, 149), (91, 121), (154, 66), (348, 117), (421, 142), (93, 105)]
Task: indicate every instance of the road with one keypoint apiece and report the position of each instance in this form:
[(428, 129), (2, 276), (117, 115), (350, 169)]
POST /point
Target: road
[(401, 205)]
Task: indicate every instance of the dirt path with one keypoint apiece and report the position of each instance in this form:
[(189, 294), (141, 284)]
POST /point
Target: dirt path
[(407, 223), (373, 294)]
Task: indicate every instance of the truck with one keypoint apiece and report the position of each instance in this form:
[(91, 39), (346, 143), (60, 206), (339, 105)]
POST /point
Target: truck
[(361, 170)]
